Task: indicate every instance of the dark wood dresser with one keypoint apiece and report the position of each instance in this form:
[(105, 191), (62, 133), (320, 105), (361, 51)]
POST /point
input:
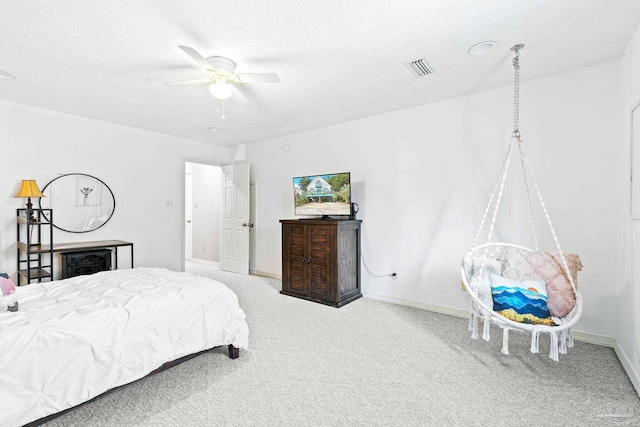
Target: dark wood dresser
[(321, 260)]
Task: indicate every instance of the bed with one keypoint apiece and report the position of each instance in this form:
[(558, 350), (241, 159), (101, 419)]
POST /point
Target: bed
[(74, 339)]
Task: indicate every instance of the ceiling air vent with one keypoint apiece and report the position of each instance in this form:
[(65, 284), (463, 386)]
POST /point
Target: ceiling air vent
[(419, 67)]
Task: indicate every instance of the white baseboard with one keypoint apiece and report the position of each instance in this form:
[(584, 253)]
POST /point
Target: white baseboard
[(594, 339), (628, 367), (265, 274), (458, 312), (205, 261)]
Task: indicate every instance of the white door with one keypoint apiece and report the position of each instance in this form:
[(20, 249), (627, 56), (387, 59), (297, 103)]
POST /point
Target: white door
[(252, 234), (234, 242), (188, 216)]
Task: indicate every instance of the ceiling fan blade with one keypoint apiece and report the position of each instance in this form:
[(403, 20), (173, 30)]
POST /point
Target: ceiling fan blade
[(237, 96), (258, 77), (195, 56), (188, 82)]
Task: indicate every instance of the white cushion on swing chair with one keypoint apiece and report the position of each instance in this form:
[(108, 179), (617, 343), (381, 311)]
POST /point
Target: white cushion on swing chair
[(523, 264), (481, 285)]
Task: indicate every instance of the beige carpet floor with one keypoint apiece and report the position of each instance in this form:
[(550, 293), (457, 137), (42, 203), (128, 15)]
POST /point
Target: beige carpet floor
[(368, 363)]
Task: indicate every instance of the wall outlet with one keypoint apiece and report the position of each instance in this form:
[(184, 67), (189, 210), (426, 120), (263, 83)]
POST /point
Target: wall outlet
[(169, 203)]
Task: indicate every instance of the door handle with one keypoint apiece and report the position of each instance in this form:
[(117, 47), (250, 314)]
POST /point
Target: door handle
[(245, 224)]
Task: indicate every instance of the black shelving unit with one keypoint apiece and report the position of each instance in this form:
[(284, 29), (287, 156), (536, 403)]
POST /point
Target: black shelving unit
[(34, 258)]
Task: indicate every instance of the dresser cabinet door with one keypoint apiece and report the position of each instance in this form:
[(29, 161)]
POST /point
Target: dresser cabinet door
[(294, 266), (297, 276), (321, 241)]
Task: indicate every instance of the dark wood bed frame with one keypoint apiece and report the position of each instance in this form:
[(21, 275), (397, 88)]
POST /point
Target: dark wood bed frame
[(234, 353)]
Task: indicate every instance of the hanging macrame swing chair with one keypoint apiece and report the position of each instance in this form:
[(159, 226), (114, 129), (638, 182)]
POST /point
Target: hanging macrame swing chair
[(517, 288)]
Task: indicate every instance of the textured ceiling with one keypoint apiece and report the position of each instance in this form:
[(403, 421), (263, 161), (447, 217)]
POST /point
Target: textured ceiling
[(338, 60)]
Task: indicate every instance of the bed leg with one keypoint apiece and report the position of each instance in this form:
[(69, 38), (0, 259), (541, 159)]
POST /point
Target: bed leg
[(234, 352)]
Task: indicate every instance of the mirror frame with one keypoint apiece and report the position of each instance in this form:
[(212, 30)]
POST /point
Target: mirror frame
[(76, 174)]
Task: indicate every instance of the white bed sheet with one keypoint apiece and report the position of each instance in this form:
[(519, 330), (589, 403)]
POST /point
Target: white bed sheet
[(74, 339)]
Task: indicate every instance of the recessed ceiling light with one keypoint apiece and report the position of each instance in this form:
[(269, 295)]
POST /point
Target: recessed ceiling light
[(6, 76), (213, 130), (481, 48)]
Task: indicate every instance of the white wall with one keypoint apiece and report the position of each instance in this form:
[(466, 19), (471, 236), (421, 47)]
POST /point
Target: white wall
[(628, 320), (422, 177), (144, 170), (207, 192)]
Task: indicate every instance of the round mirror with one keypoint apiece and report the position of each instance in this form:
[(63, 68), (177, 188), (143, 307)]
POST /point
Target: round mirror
[(80, 202)]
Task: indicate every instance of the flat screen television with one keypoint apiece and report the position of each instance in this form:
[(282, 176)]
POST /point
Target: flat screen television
[(326, 195)]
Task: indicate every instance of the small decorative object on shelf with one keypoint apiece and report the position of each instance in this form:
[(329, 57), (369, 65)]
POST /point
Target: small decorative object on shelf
[(29, 189), (34, 257)]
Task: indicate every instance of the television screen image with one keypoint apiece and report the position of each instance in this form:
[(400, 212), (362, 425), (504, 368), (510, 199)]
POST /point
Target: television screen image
[(324, 195)]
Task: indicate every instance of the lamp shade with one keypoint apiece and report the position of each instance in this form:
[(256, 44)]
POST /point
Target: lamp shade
[(29, 188), (220, 90)]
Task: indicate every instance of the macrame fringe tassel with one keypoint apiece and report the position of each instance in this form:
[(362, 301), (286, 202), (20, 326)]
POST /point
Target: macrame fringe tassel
[(563, 342), (570, 337), (505, 341), (474, 328), (486, 329), (553, 353), (535, 336), (471, 320)]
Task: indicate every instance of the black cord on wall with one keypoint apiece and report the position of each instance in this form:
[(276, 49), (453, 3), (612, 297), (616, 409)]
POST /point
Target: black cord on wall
[(392, 274)]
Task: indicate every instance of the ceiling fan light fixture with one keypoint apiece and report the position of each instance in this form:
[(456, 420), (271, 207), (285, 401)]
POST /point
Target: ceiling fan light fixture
[(220, 90)]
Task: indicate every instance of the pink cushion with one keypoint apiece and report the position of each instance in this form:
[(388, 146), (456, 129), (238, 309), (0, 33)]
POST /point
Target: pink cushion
[(6, 287), (8, 295), (527, 265)]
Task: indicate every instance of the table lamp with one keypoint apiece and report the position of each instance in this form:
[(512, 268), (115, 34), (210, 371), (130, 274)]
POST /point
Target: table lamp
[(29, 189)]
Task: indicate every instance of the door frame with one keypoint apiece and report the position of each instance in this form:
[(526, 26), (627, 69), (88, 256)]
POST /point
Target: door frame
[(188, 223), (186, 160)]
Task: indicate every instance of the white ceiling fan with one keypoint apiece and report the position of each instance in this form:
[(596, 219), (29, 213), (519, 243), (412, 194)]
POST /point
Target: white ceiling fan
[(223, 79)]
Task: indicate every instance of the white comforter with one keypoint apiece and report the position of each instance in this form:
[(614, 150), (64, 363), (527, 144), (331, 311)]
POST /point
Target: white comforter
[(74, 339)]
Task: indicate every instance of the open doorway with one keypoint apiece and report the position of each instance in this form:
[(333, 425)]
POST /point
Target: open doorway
[(203, 192)]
